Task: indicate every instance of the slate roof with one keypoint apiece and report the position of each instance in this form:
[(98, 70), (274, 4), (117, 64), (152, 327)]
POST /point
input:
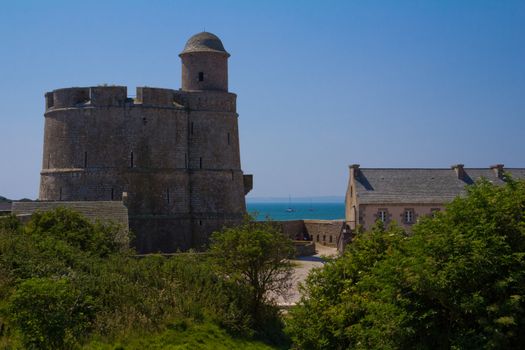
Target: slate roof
[(413, 186)]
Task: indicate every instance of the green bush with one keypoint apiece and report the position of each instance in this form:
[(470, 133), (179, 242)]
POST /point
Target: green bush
[(50, 314), (65, 281), (457, 282)]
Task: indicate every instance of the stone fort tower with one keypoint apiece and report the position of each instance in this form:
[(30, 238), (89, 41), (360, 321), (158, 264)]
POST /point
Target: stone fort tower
[(172, 156)]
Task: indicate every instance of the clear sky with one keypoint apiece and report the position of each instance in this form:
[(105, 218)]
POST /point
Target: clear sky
[(320, 84)]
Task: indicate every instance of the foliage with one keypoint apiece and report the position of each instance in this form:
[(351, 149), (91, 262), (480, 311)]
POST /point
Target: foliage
[(50, 314), (253, 259), (183, 335), (65, 282), (457, 282)]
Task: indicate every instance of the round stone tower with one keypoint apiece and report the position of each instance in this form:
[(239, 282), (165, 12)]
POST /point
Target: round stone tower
[(204, 63), (174, 153)]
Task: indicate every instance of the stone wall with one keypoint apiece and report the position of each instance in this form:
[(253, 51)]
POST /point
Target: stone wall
[(104, 211), (368, 213), (175, 153), (324, 232)]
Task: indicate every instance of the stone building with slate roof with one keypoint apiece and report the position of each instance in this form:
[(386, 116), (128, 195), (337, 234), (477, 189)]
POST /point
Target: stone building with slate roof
[(404, 195)]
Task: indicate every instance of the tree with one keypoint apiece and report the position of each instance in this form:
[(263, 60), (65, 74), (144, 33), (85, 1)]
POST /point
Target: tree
[(254, 258), (458, 281), (51, 314)]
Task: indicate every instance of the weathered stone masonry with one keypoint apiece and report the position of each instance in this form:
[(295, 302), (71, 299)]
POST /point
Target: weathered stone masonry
[(174, 153)]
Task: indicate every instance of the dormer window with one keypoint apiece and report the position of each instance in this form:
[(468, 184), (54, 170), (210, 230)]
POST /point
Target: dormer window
[(201, 76)]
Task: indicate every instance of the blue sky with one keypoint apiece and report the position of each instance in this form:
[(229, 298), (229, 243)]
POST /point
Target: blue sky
[(320, 84)]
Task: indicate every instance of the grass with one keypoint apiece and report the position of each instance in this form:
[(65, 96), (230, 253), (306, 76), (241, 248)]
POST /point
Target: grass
[(181, 336)]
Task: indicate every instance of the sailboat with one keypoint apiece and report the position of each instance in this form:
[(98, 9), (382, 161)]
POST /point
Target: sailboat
[(290, 209)]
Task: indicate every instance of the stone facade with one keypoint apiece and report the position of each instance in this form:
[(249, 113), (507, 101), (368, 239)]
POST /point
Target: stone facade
[(173, 154), (325, 232), (405, 195)]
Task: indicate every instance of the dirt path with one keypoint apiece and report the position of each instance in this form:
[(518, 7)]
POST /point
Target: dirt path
[(303, 266)]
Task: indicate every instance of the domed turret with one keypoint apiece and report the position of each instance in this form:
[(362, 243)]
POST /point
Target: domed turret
[(204, 63), (204, 42)]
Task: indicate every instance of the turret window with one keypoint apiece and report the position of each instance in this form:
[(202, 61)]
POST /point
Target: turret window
[(229, 139), (201, 76)]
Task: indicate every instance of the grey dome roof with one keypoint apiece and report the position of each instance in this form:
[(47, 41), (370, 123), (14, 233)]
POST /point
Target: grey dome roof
[(204, 42)]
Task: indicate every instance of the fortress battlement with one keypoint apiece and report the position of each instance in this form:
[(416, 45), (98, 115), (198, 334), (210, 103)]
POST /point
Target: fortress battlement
[(86, 96), (116, 96)]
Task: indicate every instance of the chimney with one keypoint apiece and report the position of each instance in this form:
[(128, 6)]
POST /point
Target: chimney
[(354, 170), (460, 171), (498, 170)]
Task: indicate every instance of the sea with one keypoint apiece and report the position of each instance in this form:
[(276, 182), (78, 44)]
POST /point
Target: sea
[(308, 210)]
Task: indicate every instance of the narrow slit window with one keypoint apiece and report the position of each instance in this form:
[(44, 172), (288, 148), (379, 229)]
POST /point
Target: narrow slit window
[(168, 194), (112, 194), (186, 160), (233, 175), (60, 194), (200, 222), (85, 159), (191, 128), (131, 160), (50, 101), (201, 76), (228, 139), (200, 162)]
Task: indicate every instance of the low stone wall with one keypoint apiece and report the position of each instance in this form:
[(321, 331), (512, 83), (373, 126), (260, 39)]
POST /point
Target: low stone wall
[(105, 211), (324, 232), (304, 248)]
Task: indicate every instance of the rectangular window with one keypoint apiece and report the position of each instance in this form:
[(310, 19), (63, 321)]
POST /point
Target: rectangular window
[(85, 159), (409, 216), (382, 215), (112, 194), (191, 128), (201, 76), (200, 162), (168, 194), (131, 165), (228, 139)]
